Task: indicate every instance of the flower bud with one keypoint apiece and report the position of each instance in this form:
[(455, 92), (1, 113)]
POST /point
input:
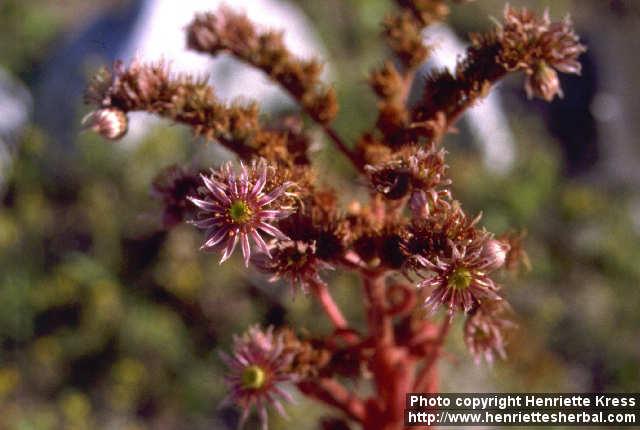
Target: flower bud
[(111, 123), (543, 83), (495, 253)]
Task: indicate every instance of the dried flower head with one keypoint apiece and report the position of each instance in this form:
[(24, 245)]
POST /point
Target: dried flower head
[(110, 123), (431, 234), (538, 46), (517, 257), (258, 367), (318, 222), (295, 261), (460, 281), (427, 11), (403, 33), (310, 356), (236, 208), (173, 185), (485, 330), (412, 170)]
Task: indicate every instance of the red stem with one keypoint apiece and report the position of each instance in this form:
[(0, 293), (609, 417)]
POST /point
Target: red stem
[(333, 393), (380, 323), (425, 379), (330, 307)]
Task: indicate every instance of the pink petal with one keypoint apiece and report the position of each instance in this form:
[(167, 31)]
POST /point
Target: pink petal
[(260, 183), (216, 188), (204, 205), (268, 198), (246, 249), (233, 185), (231, 246), (272, 214), (205, 223), (244, 180), (273, 231), (260, 243), (216, 239)]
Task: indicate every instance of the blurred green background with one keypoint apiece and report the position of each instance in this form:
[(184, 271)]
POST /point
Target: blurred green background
[(109, 322)]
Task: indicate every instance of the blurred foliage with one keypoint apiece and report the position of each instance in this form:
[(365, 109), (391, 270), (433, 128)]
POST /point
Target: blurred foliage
[(110, 322)]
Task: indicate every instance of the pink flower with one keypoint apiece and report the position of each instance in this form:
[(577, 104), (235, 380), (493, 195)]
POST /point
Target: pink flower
[(485, 331), (236, 208), (461, 281), (258, 367)]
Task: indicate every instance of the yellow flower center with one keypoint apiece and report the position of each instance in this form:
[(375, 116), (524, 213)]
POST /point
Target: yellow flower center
[(460, 279), (240, 212), (253, 378)]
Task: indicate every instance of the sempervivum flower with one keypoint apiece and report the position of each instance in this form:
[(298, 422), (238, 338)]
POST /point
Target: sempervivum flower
[(236, 208), (258, 367), (461, 281), (295, 261), (485, 331)]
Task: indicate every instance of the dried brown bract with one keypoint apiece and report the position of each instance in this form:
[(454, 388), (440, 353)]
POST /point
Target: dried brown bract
[(184, 99), (173, 185), (227, 31), (412, 170)]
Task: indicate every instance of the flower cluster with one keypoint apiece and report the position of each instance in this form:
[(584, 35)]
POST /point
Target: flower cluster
[(410, 225), (539, 47), (524, 42)]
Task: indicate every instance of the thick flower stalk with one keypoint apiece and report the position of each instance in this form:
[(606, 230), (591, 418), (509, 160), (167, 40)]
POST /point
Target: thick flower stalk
[(235, 208)]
